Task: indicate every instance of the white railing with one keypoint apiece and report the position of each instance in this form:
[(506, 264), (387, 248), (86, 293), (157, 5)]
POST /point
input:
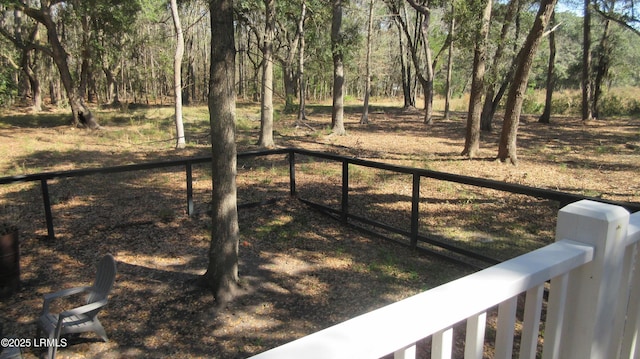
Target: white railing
[(592, 311)]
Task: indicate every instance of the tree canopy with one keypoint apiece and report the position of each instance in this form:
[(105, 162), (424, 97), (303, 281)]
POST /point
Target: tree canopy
[(125, 47)]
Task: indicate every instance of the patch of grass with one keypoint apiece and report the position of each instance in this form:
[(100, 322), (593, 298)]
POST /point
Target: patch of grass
[(39, 120), (370, 176), (392, 268), (280, 228), (605, 150), (166, 214), (202, 173), (321, 169), (360, 267), (244, 124), (592, 193), (326, 131), (447, 188), (266, 180), (276, 171), (359, 174), (386, 176)]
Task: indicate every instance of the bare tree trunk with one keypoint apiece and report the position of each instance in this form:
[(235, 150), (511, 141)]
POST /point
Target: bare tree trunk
[(125, 80), (257, 66), (54, 89), (367, 86), (241, 54), (266, 103), (602, 67), (425, 76), (186, 80), (546, 114), (36, 90), (113, 91), (85, 65), (82, 116), (303, 86), (289, 72), (472, 139), (31, 89), (405, 69), (190, 88), (28, 64), (491, 98), (177, 75), (447, 102), (515, 98), (587, 98), (290, 82), (337, 112), (427, 82), (222, 271)]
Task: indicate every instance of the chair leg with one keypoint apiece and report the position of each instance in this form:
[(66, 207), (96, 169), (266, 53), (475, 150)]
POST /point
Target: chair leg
[(54, 338), (52, 348), (99, 329)]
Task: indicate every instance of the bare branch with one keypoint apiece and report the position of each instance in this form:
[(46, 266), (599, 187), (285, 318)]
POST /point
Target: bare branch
[(25, 46), (546, 33), (424, 10), (11, 62), (621, 20)]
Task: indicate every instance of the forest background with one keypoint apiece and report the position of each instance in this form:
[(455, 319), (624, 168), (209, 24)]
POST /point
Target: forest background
[(122, 52)]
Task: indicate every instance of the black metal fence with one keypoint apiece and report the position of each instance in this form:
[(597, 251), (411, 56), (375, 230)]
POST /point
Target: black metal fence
[(408, 233)]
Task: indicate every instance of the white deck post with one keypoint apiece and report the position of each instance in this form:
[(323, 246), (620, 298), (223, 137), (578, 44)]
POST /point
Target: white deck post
[(590, 311)]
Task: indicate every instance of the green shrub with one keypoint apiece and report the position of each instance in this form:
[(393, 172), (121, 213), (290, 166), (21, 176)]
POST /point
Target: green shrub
[(566, 104), (633, 107), (611, 105), (8, 89), (290, 105), (531, 104), (349, 98)]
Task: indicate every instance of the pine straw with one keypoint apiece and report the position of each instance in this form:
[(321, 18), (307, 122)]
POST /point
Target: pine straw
[(300, 270), (300, 273)]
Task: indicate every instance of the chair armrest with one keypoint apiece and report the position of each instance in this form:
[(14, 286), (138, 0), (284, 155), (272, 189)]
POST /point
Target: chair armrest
[(83, 309), (65, 293), (48, 298)]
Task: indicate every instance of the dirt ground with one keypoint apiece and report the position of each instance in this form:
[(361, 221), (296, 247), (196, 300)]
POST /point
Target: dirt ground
[(300, 270)]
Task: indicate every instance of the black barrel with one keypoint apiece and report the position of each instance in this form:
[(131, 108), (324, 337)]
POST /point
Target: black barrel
[(9, 263)]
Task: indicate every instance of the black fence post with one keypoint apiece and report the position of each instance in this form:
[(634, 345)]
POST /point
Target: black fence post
[(292, 173), (189, 170), (345, 190), (47, 208), (415, 213)]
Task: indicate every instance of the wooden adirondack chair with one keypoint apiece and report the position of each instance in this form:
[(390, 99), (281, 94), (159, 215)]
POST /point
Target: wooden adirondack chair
[(84, 318)]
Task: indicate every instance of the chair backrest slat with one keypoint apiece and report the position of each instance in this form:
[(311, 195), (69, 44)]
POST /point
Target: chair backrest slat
[(105, 277)]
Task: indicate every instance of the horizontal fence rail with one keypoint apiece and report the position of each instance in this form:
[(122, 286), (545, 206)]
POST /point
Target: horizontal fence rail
[(129, 168), (592, 310), (187, 163), (343, 213), (413, 234), (562, 197)]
